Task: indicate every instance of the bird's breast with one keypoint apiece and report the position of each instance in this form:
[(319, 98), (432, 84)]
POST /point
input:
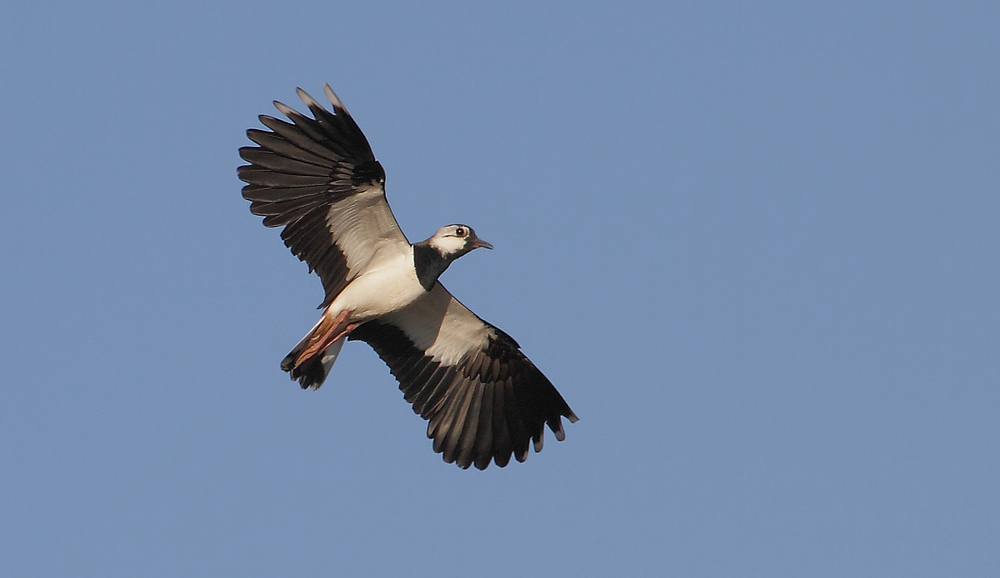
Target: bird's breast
[(381, 290)]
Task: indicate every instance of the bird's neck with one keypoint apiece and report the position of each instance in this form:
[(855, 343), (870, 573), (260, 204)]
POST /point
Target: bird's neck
[(429, 264)]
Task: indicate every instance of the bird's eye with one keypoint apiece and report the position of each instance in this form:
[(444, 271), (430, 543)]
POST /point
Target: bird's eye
[(460, 232)]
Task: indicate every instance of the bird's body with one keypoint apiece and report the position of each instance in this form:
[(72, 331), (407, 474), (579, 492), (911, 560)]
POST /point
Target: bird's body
[(319, 179), (385, 287)]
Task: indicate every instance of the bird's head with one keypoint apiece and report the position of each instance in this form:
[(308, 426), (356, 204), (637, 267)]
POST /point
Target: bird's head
[(454, 241)]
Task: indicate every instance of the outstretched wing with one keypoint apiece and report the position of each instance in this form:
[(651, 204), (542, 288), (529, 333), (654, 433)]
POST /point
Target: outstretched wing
[(317, 177), (483, 398)]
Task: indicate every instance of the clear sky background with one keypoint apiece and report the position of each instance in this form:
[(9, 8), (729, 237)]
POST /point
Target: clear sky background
[(753, 244)]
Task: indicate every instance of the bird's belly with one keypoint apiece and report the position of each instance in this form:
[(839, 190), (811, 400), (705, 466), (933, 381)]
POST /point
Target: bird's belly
[(378, 292)]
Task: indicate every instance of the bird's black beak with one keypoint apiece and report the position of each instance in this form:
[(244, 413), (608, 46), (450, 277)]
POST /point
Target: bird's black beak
[(477, 243)]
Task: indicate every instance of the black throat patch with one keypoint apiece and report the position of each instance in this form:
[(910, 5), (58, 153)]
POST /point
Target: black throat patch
[(429, 264)]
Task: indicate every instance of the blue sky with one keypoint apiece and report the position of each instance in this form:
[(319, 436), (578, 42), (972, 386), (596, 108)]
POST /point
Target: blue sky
[(753, 244)]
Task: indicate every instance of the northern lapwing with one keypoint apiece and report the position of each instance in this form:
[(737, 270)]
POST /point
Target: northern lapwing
[(317, 177)]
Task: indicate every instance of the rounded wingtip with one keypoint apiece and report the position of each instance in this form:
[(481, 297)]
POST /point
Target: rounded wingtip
[(306, 98), (334, 99), (284, 108)]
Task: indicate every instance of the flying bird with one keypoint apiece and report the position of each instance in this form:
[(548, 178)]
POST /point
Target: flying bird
[(318, 178)]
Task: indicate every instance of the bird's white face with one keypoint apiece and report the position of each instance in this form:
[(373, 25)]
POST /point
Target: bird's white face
[(457, 240)]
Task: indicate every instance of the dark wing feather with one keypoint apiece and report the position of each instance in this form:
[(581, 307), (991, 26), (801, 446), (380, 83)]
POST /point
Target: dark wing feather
[(318, 178), (484, 400)]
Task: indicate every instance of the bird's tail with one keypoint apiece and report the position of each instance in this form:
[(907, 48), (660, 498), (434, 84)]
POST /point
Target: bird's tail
[(311, 371)]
